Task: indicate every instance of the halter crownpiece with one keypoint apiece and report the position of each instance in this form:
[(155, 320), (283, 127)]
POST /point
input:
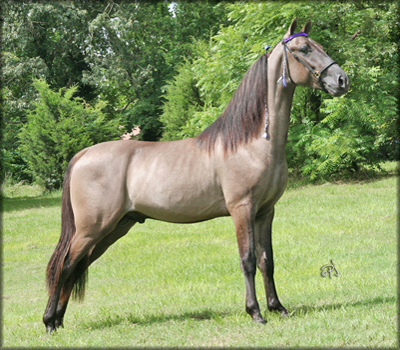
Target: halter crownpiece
[(294, 36)]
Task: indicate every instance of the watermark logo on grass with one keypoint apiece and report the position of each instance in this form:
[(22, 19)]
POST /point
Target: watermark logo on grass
[(327, 269)]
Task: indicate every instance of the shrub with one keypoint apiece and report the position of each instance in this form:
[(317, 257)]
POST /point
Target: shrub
[(59, 127)]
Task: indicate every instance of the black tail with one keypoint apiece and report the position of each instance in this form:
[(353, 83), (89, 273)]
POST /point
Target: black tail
[(60, 255)]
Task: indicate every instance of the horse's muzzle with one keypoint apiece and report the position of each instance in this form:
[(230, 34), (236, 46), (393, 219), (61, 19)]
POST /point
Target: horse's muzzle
[(336, 82), (343, 83)]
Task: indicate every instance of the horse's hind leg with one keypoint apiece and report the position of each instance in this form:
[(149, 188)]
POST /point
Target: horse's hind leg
[(78, 249), (265, 259), (121, 230)]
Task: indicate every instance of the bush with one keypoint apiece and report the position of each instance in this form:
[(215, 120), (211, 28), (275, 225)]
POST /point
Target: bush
[(14, 166), (57, 129)]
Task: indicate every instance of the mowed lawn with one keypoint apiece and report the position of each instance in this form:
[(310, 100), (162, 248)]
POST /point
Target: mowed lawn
[(181, 285)]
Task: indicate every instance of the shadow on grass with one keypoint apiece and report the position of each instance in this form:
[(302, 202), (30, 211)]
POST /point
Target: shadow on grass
[(22, 203), (306, 309), (115, 320)]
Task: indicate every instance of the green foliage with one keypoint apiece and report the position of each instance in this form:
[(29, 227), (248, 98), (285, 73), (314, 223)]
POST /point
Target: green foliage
[(13, 166), (139, 45), (225, 57), (39, 40), (122, 53), (182, 102), (173, 72), (58, 128)]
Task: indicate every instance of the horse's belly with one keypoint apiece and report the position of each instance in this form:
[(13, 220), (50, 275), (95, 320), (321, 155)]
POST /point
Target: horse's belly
[(182, 214), (179, 205), (182, 189)]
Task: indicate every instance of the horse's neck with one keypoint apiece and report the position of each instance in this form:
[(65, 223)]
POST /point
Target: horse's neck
[(279, 103)]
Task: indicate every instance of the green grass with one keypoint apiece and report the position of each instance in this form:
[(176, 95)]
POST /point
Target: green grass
[(181, 285)]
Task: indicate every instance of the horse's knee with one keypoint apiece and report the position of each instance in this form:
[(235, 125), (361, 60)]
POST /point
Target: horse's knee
[(265, 264), (248, 264)]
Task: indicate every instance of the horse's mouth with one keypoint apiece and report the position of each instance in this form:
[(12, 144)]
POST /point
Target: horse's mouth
[(335, 92)]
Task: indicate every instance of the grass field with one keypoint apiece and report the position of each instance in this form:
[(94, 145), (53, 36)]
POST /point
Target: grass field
[(181, 285)]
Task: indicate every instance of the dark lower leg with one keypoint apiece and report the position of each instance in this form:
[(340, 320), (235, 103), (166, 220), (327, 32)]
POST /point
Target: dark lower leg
[(273, 302), (263, 233), (244, 226), (50, 318), (248, 266), (266, 266), (98, 250), (49, 314), (63, 302)]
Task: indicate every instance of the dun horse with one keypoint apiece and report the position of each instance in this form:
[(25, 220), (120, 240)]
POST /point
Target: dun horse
[(237, 167)]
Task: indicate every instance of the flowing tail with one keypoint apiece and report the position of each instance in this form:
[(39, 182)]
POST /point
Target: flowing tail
[(77, 279)]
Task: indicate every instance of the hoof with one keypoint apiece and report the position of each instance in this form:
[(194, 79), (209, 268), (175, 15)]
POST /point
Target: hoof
[(280, 309), (59, 323), (259, 319), (284, 312), (49, 329)]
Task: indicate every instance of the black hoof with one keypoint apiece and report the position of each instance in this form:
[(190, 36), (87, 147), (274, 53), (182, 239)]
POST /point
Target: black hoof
[(59, 323), (278, 308)]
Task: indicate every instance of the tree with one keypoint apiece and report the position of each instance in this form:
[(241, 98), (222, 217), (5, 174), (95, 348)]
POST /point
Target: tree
[(39, 40), (135, 48), (357, 131)]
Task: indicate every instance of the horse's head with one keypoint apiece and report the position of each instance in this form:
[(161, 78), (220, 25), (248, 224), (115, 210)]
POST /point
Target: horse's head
[(307, 64)]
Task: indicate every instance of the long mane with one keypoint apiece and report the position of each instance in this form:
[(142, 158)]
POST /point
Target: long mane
[(243, 117)]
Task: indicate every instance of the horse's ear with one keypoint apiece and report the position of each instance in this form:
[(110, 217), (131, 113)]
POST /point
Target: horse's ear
[(307, 28), (291, 29)]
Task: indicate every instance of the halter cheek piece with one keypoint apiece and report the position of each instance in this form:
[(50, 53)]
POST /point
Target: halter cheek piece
[(317, 74)]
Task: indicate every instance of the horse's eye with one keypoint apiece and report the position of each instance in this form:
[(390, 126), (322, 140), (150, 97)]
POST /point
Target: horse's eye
[(304, 49)]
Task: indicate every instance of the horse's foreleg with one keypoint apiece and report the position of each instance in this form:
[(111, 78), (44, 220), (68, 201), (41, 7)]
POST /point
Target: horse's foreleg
[(265, 260), (244, 225), (99, 249)]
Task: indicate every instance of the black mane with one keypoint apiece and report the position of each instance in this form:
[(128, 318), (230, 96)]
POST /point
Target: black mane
[(243, 117)]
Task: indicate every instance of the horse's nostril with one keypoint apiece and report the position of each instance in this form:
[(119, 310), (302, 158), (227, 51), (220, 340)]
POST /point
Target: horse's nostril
[(341, 82)]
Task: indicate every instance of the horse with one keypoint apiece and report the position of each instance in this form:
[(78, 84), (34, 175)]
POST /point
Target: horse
[(236, 167)]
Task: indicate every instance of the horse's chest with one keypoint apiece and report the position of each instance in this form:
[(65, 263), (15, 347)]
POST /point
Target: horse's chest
[(271, 185), (261, 182)]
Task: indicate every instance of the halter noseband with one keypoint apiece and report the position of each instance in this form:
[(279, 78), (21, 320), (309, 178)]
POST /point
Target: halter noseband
[(317, 74)]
